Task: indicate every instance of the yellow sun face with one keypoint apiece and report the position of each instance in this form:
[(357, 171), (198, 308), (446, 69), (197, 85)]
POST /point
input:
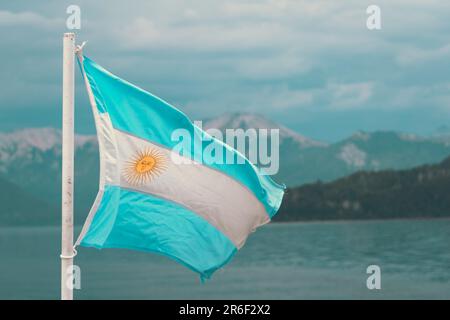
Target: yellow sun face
[(144, 166)]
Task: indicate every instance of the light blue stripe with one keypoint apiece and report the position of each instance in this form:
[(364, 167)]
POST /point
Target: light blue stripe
[(144, 115), (132, 220)]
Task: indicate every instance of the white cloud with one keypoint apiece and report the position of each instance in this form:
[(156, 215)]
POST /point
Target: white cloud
[(350, 95), (27, 19), (262, 56), (286, 99), (413, 55), (143, 33), (256, 9), (275, 66), (431, 96)]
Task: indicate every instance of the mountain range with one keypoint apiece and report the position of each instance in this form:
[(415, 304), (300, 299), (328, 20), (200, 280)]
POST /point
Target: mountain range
[(30, 161), (305, 160), (421, 192)]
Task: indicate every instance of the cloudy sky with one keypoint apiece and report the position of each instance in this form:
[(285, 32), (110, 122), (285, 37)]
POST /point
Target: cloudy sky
[(310, 65)]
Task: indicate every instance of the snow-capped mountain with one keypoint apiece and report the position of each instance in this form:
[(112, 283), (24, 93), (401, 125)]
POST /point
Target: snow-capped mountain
[(371, 151), (255, 121), (26, 145), (31, 159)]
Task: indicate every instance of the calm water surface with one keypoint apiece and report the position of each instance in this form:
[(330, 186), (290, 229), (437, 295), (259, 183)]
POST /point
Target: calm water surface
[(325, 260)]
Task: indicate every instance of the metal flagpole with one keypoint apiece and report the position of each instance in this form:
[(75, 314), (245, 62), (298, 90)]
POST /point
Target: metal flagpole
[(67, 252)]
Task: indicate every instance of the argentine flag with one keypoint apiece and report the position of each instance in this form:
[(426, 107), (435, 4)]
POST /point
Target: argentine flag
[(154, 199)]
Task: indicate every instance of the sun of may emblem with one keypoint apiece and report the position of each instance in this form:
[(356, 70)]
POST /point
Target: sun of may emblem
[(144, 166)]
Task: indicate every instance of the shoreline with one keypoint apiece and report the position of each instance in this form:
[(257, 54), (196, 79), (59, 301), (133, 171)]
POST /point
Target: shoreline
[(361, 220), (271, 223)]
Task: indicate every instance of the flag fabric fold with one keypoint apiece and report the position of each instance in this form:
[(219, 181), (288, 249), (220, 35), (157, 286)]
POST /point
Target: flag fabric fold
[(155, 199)]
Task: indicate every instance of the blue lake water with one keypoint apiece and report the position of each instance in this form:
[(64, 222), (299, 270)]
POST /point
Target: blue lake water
[(324, 260)]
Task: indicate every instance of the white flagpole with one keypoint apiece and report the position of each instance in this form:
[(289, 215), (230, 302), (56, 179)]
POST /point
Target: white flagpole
[(67, 252)]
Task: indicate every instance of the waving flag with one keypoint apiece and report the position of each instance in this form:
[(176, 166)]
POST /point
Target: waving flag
[(154, 199)]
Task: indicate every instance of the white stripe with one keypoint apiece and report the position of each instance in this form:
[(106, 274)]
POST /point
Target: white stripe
[(109, 174), (219, 199), (107, 151)]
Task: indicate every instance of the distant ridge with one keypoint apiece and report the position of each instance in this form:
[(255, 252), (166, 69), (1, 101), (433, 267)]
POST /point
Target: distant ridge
[(30, 159), (41, 138), (302, 159), (420, 192), (18, 207)]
